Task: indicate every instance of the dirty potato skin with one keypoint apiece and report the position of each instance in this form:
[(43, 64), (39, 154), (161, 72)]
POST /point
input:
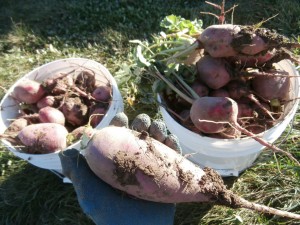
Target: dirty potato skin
[(145, 168), (148, 169)]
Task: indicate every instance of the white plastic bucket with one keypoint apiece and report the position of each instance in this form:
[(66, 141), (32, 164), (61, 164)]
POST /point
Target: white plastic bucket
[(229, 156), (9, 108)]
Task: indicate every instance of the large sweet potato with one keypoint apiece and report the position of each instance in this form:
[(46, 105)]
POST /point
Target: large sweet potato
[(147, 169)]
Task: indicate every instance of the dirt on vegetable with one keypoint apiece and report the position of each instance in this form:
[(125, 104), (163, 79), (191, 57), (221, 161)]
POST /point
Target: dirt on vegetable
[(67, 94)]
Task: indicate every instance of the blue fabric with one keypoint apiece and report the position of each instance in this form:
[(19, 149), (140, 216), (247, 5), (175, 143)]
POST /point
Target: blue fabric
[(107, 206)]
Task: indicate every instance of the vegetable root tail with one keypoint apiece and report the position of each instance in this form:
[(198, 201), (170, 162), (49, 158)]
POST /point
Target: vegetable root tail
[(265, 209), (266, 144)]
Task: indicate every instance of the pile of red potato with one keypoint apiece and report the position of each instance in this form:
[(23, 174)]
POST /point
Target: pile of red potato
[(54, 113), (238, 82)]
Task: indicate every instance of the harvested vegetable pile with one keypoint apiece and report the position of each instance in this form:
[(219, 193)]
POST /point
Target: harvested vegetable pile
[(54, 113), (225, 81)]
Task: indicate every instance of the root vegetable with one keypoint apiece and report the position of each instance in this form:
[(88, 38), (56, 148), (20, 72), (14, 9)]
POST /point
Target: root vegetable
[(97, 115), (217, 39), (28, 91), (46, 101), (148, 169), (75, 112), (245, 110), (102, 93), (51, 115), (230, 40), (200, 88), (238, 89), (77, 133), (59, 83), (213, 71), (272, 87), (43, 138), (212, 114), (16, 126)]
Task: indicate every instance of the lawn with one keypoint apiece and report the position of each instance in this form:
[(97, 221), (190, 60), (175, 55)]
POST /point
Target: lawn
[(33, 33)]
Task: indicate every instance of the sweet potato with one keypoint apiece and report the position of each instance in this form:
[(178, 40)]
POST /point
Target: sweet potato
[(272, 87), (43, 138), (28, 91), (213, 71), (212, 114), (102, 93), (147, 169), (231, 40), (75, 111), (200, 88), (51, 115), (97, 115), (46, 101)]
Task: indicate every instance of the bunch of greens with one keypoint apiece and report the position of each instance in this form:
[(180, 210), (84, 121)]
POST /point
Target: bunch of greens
[(150, 58)]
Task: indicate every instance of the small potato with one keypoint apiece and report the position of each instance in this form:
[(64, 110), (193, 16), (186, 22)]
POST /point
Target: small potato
[(51, 115), (28, 91), (43, 138)]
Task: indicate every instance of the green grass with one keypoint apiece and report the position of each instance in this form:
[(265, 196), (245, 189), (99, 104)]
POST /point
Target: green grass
[(36, 32)]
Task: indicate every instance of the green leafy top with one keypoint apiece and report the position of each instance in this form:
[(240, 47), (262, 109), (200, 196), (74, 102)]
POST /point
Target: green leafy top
[(175, 24)]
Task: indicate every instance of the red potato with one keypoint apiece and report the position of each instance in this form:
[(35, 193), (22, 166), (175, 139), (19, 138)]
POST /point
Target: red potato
[(149, 170), (60, 83), (75, 111), (245, 110), (17, 125), (272, 87), (212, 114), (102, 93), (51, 115), (43, 138), (217, 39), (200, 88), (213, 71), (238, 89), (28, 91), (97, 115), (254, 61), (231, 40), (46, 101)]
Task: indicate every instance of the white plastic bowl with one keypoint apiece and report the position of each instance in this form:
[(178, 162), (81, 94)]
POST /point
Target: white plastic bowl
[(229, 156), (9, 108)]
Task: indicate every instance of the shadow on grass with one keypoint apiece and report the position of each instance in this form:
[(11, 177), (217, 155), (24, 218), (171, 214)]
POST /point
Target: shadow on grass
[(36, 196), (74, 22)]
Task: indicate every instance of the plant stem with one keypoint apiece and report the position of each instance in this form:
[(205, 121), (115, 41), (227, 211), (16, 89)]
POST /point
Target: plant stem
[(265, 143), (172, 86)]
